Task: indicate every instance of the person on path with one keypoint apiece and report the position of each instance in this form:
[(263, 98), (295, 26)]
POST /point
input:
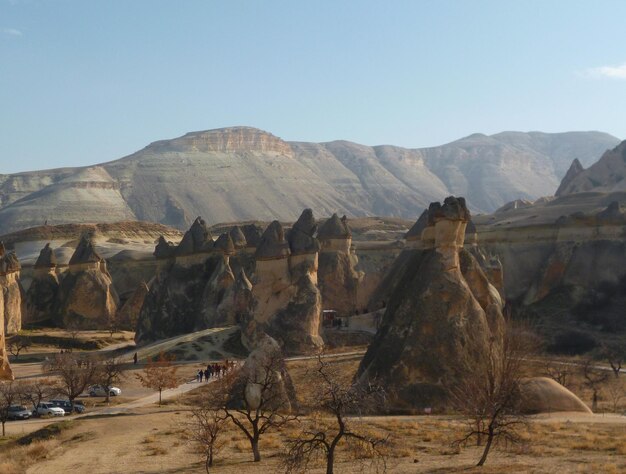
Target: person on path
[(135, 358), (200, 374), (206, 375)]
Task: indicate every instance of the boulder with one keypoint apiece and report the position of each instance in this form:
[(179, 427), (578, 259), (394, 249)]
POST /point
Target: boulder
[(544, 395), (441, 314)]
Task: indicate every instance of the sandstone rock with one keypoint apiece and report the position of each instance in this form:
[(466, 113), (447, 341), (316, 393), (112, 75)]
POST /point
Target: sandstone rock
[(238, 237), (253, 234), (128, 314), (302, 237), (335, 228), (87, 297), (434, 323), (415, 232), (224, 244), (544, 395), (42, 294), (164, 249), (5, 368), (13, 292), (196, 239), (273, 244)]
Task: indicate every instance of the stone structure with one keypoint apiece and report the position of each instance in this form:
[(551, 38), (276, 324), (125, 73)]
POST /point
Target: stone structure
[(441, 312), (87, 297), (42, 294), (13, 292), (338, 279)]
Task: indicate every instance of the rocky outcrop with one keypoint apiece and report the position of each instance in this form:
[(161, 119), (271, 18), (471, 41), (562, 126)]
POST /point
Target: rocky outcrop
[(13, 292), (574, 170), (286, 301), (440, 314), (264, 381), (195, 287), (128, 315), (337, 276), (42, 294), (5, 368), (87, 297), (544, 395)]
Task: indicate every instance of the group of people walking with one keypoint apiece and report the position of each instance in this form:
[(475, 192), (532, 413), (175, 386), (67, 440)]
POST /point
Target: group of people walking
[(214, 370)]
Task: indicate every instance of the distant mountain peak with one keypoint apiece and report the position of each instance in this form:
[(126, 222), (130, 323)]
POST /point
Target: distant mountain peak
[(574, 170)]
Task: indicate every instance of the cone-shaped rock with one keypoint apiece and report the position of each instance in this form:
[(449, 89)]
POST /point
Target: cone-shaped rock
[(335, 228), (253, 234), (238, 237), (415, 232), (12, 288), (273, 244), (164, 249), (196, 239), (302, 237), (85, 252), (42, 293), (46, 258), (225, 244)]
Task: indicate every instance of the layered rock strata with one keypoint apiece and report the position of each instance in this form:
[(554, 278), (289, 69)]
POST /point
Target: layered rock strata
[(12, 289), (440, 315)]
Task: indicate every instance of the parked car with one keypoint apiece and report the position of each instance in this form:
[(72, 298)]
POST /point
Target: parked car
[(18, 412), (79, 407), (101, 391), (48, 408)]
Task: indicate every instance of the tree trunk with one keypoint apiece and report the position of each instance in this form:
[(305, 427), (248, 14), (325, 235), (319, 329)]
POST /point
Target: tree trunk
[(211, 456), (487, 447), (160, 390), (207, 463), (3, 433), (254, 442), (330, 460)]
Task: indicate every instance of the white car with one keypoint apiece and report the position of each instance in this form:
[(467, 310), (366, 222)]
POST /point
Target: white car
[(101, 391), (47, 408)]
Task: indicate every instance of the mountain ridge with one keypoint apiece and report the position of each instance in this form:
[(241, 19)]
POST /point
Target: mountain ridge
[(239, 173)]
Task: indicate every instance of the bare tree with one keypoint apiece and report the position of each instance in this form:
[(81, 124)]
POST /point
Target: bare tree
[(488, 392), (9, 395), (18, 343), (338, 402), (615, 392), (204, 430), (110, 371), (558, 372), (159, 374), (73, 328), (615, 355), (256, 399), (594, 378), (37, 390), (76, 372)]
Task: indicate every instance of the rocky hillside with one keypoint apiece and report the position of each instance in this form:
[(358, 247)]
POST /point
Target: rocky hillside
[(607, 175), (241, 173)]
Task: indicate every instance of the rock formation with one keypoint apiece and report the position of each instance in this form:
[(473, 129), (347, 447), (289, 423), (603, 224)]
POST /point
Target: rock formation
[(13, 292), (5, 368), (42, 294), (195, 286), (128, 315), (440, 315), (286, 301), (544, 395), (86, 294), (337, 277)]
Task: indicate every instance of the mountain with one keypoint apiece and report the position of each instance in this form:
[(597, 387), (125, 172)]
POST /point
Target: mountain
[(244, 173), (607, 175)]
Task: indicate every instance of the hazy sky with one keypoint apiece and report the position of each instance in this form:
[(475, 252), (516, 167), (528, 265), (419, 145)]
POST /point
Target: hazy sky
[(83, 82)]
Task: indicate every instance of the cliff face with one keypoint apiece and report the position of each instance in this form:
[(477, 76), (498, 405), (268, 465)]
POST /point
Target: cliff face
[(441, 313), (12, 289)]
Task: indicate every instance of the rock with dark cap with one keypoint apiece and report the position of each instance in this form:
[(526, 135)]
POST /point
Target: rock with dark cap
[(302, 237), (85, 252), (224, 244), (164, 249), (453, 208), (238, 237), (415, 232), (9, 263), (196, 239), (253, 234), (335, 228), (46, 258), (13, 292), (273, 244)]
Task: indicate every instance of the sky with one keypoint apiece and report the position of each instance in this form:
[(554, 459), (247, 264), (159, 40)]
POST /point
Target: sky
[(85, 82)]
